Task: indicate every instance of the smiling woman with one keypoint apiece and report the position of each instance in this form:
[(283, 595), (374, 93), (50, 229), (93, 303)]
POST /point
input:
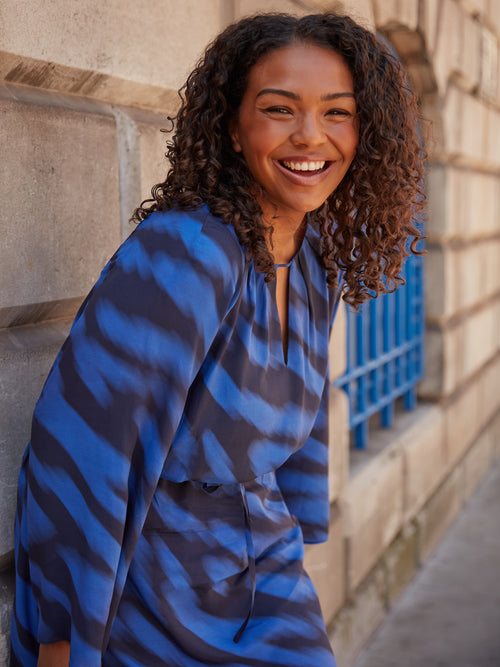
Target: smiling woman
[(179, 452), (296, 128)]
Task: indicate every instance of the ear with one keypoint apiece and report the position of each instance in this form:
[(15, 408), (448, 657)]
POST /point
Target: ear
[(234, 133)]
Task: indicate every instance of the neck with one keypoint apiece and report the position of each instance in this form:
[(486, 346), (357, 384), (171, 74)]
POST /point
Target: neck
[(286, 238)]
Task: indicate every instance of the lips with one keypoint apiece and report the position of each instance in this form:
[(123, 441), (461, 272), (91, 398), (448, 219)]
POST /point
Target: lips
[(305, 172)]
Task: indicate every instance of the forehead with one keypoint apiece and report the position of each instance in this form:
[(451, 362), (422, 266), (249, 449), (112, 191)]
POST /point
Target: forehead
[(301, 66)]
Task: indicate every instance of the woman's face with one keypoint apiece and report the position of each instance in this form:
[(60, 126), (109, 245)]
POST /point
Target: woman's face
[(296, 127)]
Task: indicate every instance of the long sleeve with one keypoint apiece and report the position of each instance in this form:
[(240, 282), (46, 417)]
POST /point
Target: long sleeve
[(108, 413), (303, 478)]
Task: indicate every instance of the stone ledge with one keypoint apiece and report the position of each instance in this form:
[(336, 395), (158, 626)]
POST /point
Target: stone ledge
[(85, 83)]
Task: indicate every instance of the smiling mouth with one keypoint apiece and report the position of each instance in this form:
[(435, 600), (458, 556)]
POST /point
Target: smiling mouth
[(313, 167)]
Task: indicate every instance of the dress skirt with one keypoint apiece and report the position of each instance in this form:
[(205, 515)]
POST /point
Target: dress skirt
[(218, 578)]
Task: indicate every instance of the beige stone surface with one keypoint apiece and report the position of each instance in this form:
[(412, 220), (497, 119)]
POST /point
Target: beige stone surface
[(476, 462), (490, 389), (424, 460), (489, 65), (141, 41), (26, 354), (463, 203), (357, 621), (440, 285), (439, 512), (470, 57), (463, 421), (473, 131), (373, 503), (443, 361), (480, 197), (494, 15), (396, 12), (429, 13), (476, 272), (465, 118), (249, 7), (493, 156), (359, 10), (401, 561), (480, 338), (153, 163), (338, 343), (448, 43), (325, 564), (339, 442), (60, 194)]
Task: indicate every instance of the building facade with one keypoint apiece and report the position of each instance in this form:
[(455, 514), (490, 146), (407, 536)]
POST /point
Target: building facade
[(85, 88)]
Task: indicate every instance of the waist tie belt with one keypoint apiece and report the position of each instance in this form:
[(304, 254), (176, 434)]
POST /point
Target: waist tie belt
[(251, 562)]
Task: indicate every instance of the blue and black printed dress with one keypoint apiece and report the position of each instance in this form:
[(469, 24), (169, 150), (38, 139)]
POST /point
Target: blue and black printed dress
[(178, 463)]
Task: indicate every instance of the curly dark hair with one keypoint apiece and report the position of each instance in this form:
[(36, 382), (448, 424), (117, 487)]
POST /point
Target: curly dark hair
[(366, 222)]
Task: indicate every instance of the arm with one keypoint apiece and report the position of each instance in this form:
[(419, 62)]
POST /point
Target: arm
[(54, 655), (106, 418)]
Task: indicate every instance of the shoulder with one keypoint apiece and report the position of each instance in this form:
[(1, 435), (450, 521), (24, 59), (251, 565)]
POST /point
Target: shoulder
[(193, 236), (188, 253)]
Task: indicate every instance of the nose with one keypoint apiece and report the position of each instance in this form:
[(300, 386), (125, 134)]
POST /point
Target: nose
[(308, 131)]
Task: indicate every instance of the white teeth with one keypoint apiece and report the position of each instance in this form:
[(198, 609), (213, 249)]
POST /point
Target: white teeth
[(305, 166)]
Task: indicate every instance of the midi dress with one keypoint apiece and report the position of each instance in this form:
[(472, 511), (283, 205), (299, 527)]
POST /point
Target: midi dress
[(178, 462)]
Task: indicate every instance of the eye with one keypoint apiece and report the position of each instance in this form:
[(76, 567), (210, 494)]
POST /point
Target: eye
[(279, 111), (339, 113)]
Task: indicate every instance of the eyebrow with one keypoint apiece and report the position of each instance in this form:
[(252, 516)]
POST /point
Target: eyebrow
[(294, 96)]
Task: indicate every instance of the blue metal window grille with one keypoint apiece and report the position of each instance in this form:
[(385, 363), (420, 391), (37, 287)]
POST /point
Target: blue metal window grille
[(385, 353)]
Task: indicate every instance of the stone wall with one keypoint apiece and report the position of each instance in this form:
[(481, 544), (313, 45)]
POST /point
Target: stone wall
[(85, 89)]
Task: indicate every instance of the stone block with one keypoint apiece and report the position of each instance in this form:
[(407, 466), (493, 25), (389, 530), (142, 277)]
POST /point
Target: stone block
[(401, 562), (476, 8), (438, 514), (443, 361), (473, 130), (429, 22), (6, 599), (373, 503), (360, 10), (449, 41), (26, 354), (462, 421), (389, 13), (338, 442), (440, 286), (470, 54), (490, 389), (358, 620), (424, 460), (475, 273), (338, 343), (480, 198), (325, 564), (480, 338), (492, 153), (446, 188), (138, 41), (60, 194), (476, 462), (494, 15), (489, 65)]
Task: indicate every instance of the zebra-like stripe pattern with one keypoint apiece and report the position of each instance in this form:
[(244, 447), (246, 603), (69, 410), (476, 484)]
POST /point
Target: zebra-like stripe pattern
[(177, 463)]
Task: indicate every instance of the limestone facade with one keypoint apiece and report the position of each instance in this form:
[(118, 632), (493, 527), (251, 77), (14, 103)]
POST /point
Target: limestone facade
[(85, 89)]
